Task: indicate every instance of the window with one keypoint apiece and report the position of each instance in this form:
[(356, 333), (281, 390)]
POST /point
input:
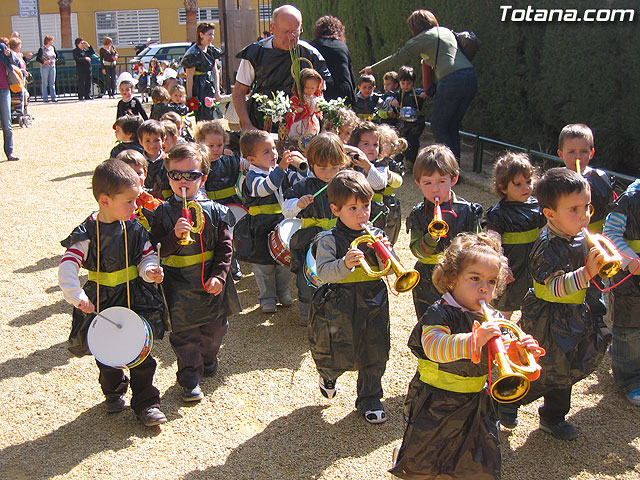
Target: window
[(265, 13), (208, 14), (30, 36), (128, 27)]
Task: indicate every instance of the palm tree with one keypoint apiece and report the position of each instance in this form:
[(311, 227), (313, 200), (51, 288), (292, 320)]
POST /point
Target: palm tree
[(65, 23), (191, 9)]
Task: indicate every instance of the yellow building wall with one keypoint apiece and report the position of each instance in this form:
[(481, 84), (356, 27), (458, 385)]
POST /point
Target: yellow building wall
[(170, 29)]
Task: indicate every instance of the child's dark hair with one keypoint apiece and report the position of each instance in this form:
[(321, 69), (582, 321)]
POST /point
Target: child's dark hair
[(134, 157), (557, 182), (392, 75), (250, 140), (467, 248), (112, 177), (346, 184), (172, 117), (406, 73), (508, 165), (435, 158), (576, 130), (326, 149), (366, 78), (170, 128), (129, 124), (150, 127), (361, 129), (215, 127), (160, 95), (191, 150), (306, 74)]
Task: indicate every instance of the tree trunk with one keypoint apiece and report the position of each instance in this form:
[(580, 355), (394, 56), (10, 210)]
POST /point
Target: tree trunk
[(191, 8), (65, 24)]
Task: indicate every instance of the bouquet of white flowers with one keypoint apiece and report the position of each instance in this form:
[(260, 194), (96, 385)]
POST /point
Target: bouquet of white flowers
[(276, 107), (331, 110)]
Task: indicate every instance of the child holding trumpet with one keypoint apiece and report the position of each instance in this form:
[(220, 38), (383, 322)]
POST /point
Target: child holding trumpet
[(622, 226), (452, 426), (117, 277), (438, 219), (309, 201), (196, 260), (576, 149), (555, 310), (352, 304), (515, 220)]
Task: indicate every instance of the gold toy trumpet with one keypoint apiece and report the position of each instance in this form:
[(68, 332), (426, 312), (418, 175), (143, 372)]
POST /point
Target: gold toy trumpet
[(186, 213), (438, 227), (612, 258), (406, 279), (512, 383)]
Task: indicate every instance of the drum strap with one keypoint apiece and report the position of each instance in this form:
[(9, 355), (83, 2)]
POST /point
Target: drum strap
[(126, 262), (222, 194)]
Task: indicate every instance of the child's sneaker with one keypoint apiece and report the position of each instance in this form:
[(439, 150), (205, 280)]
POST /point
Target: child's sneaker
[(286, 301), (562, 431), (634, 397), (210, 369), (192, 394), (152, 416), (508, 416), (327, 387), (375, 416), (114, 403), (268, 308)]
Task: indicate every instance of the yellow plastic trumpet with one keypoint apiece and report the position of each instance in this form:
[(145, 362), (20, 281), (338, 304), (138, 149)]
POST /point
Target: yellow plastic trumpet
[(612, 258), (438, 227), (186, 213), (407, 278), (512, 383)]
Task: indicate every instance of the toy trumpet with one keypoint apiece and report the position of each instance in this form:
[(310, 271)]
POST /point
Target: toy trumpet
[(186, 213), (438, 227), (512, 383), (406, 279), (612, 258)]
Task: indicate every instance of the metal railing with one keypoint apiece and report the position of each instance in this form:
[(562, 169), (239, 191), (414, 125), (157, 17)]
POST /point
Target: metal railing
[(479, 142), (67, 76)]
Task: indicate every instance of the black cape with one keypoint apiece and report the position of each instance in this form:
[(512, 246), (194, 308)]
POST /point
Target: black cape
[(204, 61), (449, 435), (146, 301), (567, 331), (189, 304), (515, 217)]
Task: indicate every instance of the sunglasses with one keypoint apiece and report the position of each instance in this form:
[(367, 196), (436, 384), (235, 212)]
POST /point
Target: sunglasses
[(177, 175)]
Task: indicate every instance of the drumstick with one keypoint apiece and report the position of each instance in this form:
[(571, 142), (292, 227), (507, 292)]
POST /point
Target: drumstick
[(108, 320), (320, 191), (158, 245)]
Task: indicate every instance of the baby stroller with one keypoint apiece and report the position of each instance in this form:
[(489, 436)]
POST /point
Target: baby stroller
[(20, 101)]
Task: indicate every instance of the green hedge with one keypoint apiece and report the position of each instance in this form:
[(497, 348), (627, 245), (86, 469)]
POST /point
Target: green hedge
[(534, 77)]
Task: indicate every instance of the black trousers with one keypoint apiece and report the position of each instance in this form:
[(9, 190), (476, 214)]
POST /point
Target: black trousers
[(84, 84), (114, 381), (369, 386), (195, 348), (110, 80), (557, 402)]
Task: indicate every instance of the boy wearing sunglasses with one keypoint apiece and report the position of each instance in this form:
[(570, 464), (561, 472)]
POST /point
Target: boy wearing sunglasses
[(198, 295)]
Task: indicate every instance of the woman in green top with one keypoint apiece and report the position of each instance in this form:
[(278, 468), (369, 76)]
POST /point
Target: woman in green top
[(456, 77)]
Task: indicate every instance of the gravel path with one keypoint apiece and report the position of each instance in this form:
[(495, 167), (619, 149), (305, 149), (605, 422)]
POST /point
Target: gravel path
[(263, 416)]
